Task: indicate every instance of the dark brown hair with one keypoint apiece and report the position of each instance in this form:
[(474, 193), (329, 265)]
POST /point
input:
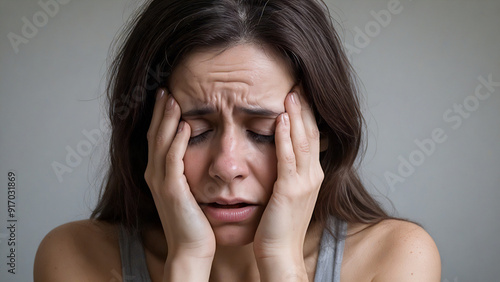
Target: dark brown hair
[(166, 31)]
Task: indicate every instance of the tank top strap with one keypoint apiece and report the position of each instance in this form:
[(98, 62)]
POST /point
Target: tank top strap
[(134, 267), (331, 251)]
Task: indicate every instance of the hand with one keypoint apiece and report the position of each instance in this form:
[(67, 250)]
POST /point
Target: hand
[(281, 233), (187, 230)]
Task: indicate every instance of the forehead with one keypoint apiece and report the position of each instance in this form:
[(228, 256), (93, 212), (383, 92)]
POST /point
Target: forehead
[(243, 75)]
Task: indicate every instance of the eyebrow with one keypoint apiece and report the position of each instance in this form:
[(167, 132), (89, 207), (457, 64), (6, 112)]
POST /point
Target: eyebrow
[(253, 111)]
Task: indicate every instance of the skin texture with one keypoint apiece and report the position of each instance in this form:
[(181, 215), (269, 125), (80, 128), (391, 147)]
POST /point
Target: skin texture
[(242, 94), (230, 163), (281, 178)]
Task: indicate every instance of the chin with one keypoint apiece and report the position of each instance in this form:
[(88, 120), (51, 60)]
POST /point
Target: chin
[(234, 235)]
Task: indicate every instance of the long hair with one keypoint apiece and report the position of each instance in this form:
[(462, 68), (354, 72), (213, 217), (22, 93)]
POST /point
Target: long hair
[(166, 31)]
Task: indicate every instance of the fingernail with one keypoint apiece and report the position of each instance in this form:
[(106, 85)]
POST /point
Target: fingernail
[(285, 119), (295, 98), (160, 94), (170, 102), (181, 125)]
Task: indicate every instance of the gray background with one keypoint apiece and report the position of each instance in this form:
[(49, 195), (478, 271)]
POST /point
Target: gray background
[(413, 68)]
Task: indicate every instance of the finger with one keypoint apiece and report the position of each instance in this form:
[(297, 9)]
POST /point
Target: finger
[(166, 133), (174, 164), (284, 147), (312, 131), (174, 167), (300, 142), (155, 121)]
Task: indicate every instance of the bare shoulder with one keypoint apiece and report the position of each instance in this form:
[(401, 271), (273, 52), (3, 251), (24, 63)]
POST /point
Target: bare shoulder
[(406, 252), (392, 250), (85, 250)]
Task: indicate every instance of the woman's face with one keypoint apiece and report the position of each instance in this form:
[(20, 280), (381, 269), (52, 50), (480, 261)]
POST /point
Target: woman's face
[(231, 101)]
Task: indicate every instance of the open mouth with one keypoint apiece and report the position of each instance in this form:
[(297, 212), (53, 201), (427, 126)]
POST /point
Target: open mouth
[(234, 206), (224, 212)]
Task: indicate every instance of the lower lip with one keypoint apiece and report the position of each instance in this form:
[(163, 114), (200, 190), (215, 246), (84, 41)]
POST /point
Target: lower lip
[(229, 215)]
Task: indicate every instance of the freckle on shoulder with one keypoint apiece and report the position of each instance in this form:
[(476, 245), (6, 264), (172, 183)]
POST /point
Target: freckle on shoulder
[(397, 232), (401, 250), (406, 245)]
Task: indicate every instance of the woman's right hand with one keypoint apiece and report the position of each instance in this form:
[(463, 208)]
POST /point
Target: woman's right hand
[(190, 238)]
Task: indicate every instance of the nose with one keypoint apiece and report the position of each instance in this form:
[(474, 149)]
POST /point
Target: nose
[(228, 162)]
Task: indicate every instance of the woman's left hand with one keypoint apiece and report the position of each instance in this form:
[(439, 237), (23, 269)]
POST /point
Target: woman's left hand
[(279, 239)]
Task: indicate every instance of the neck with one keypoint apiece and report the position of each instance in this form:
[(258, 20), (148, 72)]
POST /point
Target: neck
[(233, 263)]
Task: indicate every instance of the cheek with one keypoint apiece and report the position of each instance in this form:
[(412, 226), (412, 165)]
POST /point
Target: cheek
[(264, 166), (260, 159), (195, 166)]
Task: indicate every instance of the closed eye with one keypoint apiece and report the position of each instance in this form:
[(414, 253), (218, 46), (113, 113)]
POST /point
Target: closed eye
[(259, 138), (200, 138)]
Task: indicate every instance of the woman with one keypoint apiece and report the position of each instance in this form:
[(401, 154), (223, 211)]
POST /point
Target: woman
[(235, 129)]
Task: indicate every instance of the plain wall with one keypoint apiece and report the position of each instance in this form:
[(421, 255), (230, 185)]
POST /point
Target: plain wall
[(417, 69)]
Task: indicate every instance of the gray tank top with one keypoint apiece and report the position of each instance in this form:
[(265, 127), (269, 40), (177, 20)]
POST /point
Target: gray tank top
[(134, 267)]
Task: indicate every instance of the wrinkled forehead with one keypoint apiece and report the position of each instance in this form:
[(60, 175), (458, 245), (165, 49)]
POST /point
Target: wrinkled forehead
[(243, 75)]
